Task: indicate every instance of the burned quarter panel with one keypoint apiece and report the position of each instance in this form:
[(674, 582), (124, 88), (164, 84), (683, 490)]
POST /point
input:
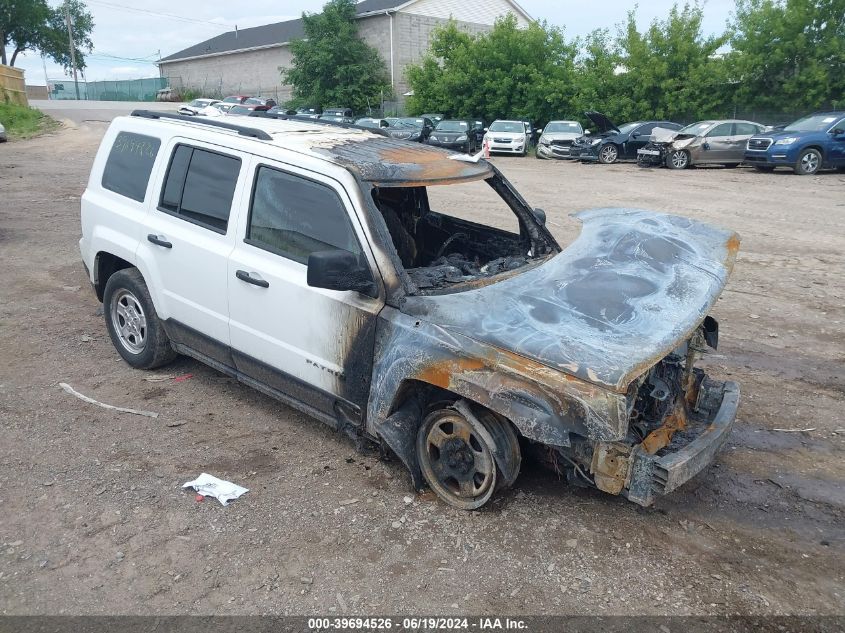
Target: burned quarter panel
[(543, 403)]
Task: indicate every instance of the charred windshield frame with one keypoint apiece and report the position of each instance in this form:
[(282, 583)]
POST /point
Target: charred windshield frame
[(536, 242)]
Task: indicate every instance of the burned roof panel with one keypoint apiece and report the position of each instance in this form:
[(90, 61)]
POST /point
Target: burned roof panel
[(390, 162)]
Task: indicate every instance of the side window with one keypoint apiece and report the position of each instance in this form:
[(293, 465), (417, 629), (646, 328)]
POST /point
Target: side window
[(645, 130), (130, 164), (294, 217), (723, 129), (199, 187), (746, 129)]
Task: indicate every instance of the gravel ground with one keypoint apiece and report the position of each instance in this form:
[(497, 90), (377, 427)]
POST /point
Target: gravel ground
[(93, 520)]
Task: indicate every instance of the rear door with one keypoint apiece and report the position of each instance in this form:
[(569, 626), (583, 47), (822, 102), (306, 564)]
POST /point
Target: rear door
[(187, 240), (310, 344)]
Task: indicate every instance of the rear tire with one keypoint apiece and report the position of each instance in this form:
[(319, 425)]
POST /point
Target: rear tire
[(132, 322), (809, 162)]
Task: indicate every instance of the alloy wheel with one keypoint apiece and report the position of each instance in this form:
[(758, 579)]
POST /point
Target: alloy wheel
[(129, 320)]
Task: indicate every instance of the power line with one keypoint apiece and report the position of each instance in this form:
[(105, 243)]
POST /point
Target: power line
[(170, 16)]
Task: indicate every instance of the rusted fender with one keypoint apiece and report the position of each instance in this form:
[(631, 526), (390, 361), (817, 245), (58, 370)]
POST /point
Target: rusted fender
[(544, 404), (632, 287)]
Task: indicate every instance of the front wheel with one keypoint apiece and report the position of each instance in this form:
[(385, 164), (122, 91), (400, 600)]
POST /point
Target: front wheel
[(132, 322), (456, 456), (608, 154), (808, 163), (678, 159)]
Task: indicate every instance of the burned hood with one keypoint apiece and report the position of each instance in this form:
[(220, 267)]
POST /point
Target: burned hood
[(603, 124), (629, 290)]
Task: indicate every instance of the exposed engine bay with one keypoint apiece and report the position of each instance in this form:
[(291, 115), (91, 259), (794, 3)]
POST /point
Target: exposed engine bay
[(439, 251)]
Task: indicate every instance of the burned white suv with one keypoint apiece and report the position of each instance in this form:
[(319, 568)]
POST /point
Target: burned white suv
[(318, 263)]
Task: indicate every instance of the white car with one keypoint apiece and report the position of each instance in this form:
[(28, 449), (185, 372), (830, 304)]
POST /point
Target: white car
[(307, 260), (557, 138), (508, 137), (196, 106), (2, 134)]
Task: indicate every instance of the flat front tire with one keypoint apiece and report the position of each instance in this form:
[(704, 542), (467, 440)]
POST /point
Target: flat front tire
[(132, 322)]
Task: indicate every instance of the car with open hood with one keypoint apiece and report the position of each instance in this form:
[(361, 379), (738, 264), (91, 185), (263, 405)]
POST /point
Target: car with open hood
[(614, 143), (557, 139), (809, 144), (341, 271), (720, 142)]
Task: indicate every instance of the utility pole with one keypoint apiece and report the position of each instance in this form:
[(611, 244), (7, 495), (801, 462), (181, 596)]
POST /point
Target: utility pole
[(72, 48), (46, 81)]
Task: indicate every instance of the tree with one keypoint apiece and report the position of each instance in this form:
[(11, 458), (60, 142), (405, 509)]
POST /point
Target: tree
[(672, 71), (34, 25), (510, 72), (333, 65), (788, 54)]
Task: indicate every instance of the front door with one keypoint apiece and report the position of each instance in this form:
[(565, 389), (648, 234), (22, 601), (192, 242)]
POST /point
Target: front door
[(836, 147), (310, 344), (718, 144), (186, 243), (638, 139)]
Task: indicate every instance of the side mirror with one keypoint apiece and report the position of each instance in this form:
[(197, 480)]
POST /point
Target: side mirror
[(587, 132), (838, 131), (340, 270), (487, 129), (636, 135), (541, 216)]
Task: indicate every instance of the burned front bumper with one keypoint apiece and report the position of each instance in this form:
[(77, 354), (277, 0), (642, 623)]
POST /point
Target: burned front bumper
[(651, 476)]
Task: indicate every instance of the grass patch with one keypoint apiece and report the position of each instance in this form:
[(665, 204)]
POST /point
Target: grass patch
[(23, 122)]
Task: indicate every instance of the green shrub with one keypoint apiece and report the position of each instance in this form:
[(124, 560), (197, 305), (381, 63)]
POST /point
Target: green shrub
[(23, 122)]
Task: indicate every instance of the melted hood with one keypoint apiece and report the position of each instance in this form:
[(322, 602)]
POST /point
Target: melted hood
[(629, 290)]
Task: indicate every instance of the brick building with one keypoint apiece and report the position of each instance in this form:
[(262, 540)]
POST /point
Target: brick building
[(248, 61)]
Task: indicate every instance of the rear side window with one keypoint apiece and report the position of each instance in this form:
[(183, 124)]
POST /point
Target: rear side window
[(200, 186), (294, 217), (130, 164), (744, 129)]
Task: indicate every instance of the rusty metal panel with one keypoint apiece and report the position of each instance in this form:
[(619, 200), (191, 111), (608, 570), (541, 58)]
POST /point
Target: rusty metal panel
[(633, 286), (390, 162)]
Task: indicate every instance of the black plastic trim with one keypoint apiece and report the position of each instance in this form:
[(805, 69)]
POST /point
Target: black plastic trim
[(240, 129)]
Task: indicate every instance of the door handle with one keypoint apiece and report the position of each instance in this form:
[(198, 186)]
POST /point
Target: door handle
[(255, 281), (159, 240)]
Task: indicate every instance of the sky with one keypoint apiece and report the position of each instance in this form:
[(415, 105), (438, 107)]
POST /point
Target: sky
[(128, 36)]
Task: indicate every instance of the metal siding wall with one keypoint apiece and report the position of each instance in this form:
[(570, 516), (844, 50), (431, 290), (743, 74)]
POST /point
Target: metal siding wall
[(473, 11)]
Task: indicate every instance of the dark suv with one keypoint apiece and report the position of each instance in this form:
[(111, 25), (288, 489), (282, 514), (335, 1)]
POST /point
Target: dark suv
[(807, 145), (455, 134)]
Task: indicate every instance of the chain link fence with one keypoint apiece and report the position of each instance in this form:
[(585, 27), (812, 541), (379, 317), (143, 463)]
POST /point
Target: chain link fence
[(123, 90)]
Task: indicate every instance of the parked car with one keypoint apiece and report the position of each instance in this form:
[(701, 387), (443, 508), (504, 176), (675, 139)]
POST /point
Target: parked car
[(311, 112), (411, 129), (557, 138), (336, 119), (373, 123), (314, 268), (613, 143), (456, 135), (281, 110), (245, 109), (234, 99), (435, 118), (223, 106), (3, 138), (807, 145), (704, 143), (338, 115), (270, 103), (509, 137), (193, 108)]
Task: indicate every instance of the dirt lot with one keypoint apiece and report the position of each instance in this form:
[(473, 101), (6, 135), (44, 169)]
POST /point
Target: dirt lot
[(93, 520)]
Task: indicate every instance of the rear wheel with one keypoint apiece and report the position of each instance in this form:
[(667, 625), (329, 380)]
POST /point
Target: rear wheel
[(608, 154), (808, 163), (133, 325), (678, 159), (455, 452)]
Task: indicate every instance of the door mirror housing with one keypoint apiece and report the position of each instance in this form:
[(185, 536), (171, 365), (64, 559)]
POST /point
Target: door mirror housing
[(342, 271), (838, 131), (540, 215), (587, 132)]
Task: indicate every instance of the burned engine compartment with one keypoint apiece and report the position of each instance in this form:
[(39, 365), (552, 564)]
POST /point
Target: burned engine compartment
[(439, 251)]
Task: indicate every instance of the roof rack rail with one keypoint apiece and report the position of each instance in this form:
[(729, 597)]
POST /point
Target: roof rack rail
[(263, 114), (240, 129)]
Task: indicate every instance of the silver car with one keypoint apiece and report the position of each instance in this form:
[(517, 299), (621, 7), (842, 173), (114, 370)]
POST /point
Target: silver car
[(556, 140), (711, 142)]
